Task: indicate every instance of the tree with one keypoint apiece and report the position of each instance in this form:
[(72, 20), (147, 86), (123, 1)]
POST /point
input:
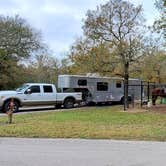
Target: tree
[(160, 24), (152, 67), (12, 74), (89, 57), (117, 22), (43, 68), (18, 40), (65, 66)]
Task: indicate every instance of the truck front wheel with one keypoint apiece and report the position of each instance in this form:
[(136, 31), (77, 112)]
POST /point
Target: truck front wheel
[(7, 106), (69, 103)]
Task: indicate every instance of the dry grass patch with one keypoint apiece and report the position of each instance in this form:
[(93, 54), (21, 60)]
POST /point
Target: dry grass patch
[(95, 122)]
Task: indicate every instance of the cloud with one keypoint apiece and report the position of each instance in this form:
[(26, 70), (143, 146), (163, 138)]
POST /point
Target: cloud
[(56, 9), (60, 21)]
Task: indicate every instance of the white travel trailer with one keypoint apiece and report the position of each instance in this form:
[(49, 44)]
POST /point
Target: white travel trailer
[(99, 89)]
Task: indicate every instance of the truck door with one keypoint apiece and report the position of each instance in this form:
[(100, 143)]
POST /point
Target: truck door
[(32, 96), (48, 95)]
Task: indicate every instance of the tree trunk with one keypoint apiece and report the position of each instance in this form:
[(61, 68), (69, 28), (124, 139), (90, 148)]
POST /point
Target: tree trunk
[(158, 76), (126, 78)]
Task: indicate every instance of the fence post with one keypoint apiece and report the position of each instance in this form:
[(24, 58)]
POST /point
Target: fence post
[(148, 91), (141, 93), (132, 96), (124, 100)]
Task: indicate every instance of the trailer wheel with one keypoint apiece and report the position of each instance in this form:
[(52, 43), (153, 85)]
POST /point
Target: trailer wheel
[(91, 103), (129, 99), (7, 106), (122, 100), (69, 103)]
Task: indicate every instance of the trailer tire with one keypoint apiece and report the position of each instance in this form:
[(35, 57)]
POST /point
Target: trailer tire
[(122, 100), (129, 99), (91, 103), (69, 103)]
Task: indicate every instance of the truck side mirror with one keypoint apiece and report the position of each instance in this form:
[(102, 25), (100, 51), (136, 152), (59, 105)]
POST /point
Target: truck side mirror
[(28, 91)]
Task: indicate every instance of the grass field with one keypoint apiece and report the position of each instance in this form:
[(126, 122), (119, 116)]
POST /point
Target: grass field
[(93, 122)]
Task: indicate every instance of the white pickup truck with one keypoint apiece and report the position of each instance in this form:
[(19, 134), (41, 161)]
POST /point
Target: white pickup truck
[(37, 94)]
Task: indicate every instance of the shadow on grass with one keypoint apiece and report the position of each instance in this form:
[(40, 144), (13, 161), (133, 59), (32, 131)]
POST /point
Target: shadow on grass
[(5, 123), (51, 108)]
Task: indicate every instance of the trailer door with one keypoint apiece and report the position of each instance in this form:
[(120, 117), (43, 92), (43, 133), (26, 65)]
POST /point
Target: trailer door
[(102, 93), (117, 89)]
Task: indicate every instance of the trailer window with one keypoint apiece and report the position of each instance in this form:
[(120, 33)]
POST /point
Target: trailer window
[(102, 86), (118, 84), (82, 82), (47, 89)]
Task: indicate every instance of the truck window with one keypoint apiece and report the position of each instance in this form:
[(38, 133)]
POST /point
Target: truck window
[(47, 89), (118, 84), (102, 86), (35, 89), (82, 82)]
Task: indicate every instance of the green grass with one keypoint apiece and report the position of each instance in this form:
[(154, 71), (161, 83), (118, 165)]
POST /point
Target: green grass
[(94, 122)]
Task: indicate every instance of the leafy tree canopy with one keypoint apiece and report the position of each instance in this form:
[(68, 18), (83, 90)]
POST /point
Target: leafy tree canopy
[(160, 24), (18, 40)]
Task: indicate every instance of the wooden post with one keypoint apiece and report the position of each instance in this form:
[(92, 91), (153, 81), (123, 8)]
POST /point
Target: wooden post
[(124, 99), (148, 91), (141, 93), (132, 99), (10, 111)]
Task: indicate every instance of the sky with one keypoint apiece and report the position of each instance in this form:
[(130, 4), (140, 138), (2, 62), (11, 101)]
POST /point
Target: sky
[(61, 21)]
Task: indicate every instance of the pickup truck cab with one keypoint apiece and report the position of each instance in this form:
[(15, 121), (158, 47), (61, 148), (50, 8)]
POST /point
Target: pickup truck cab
[(37, 94)]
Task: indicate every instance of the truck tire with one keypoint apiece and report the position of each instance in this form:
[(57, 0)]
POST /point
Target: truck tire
[(7, 106), (69, 103)]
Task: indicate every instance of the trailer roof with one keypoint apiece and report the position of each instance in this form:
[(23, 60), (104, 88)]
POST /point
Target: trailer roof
[(96, 77), (85, 76)]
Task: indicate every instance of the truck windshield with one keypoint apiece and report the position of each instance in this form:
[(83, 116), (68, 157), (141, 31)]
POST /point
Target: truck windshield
[(24, 86)]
